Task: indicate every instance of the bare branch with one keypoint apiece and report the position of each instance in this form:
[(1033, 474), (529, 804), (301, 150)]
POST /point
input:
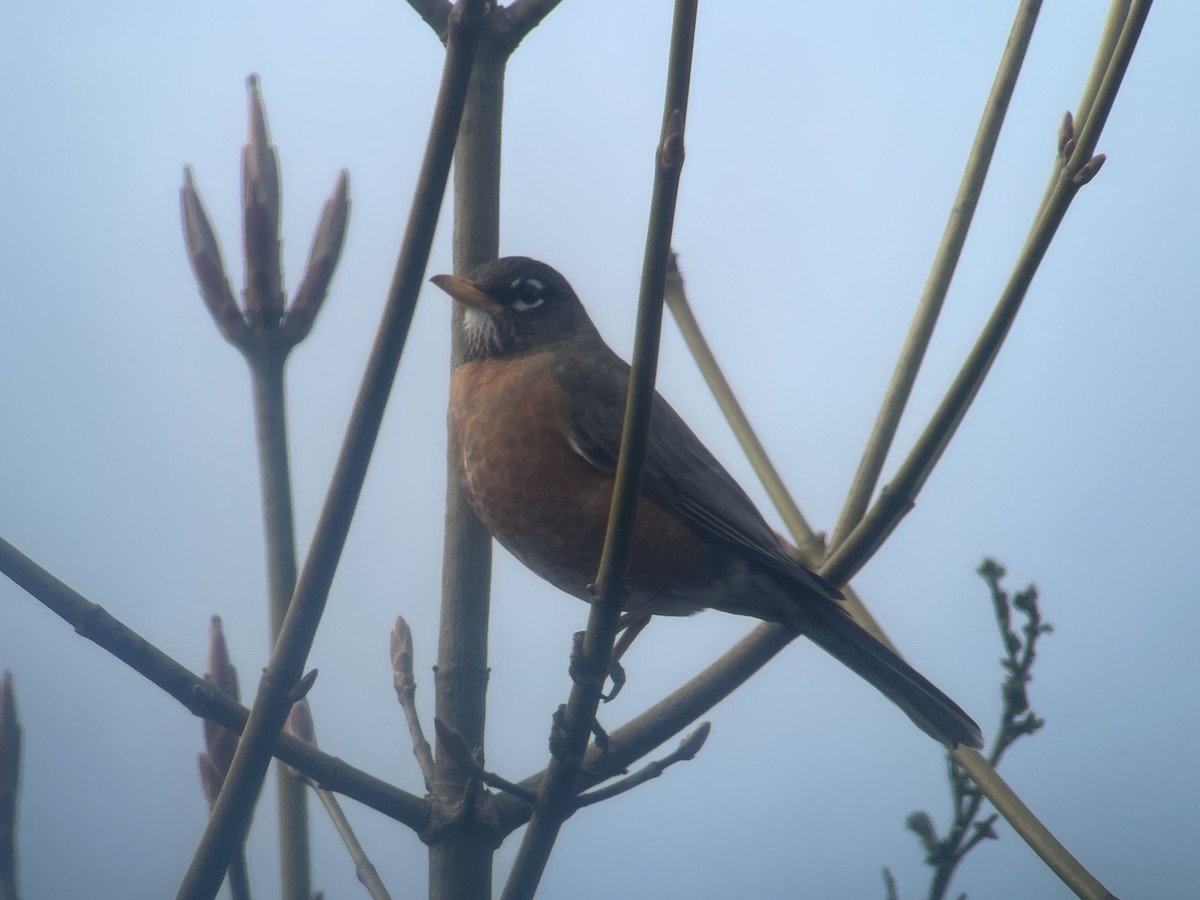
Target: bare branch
[(687, 750), (196, 695), (300, 723)]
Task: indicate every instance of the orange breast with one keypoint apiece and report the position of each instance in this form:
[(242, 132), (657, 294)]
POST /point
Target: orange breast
[(548, 505)]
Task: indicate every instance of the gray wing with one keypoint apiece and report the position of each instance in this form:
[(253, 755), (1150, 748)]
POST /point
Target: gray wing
[(680, 473)]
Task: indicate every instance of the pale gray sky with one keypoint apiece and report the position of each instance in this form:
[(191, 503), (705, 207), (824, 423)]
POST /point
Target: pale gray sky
[(825, 144)]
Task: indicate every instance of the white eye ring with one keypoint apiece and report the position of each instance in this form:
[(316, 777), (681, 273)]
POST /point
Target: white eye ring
[(526, 305)]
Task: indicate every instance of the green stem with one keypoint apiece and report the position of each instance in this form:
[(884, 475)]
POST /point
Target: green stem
[(942, 271)]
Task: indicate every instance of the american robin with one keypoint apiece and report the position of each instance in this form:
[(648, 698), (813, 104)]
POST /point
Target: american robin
[(536, 410)]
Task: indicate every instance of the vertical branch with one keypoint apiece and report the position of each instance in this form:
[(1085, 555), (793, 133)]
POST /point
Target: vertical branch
[(10, 781), (278, 689), (267, 374), (460, 860), (558, 786)]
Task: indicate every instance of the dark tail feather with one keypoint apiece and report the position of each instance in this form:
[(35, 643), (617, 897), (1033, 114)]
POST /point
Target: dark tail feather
[(933, 712)]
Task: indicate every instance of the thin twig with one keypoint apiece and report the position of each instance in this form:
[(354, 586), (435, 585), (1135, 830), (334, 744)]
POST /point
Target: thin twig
[(232, 813), (810, 545), (686, 751), (556, 790), (363, 867), (1016, 721), (1069, 175), (406, 693), (942, 271), (469, 760), (97, 625), (300, 724), (706, 361)]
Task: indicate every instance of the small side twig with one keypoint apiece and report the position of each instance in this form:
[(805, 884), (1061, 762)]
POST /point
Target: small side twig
[(406, 690), (469, 759), (687, 750), (300, 723)]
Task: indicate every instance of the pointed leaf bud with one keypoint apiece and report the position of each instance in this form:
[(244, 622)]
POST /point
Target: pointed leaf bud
[(322, 261), (456, 746), (220, 742), (260, 215), (1066, 135), (690, 745), (1089, 169), (205, 256), (300, 723), (402, 657)]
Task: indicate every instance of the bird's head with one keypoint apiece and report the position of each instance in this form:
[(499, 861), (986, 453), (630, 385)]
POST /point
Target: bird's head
[(515, 305)]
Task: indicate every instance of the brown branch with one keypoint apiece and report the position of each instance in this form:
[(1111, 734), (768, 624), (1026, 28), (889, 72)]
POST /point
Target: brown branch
[(231, 816), (197, 696)]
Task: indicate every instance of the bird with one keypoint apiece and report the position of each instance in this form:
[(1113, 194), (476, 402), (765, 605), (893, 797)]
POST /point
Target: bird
[(536, 409)]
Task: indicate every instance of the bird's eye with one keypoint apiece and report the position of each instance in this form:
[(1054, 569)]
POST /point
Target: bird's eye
[(529, 296)]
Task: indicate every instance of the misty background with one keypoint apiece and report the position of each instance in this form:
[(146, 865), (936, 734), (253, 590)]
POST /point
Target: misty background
[(824, 147)]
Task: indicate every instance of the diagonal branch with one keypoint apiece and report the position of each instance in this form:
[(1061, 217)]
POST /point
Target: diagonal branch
[(1073, 169), (942, 271), (199, 697), (231, 815), (557, 788), (685, 752), (672, 714)]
